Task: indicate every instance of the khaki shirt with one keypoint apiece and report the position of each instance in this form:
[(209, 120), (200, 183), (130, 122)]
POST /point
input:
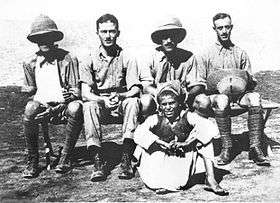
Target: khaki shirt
[(104, 73), (183, 68), (219, 57), (67, 68)]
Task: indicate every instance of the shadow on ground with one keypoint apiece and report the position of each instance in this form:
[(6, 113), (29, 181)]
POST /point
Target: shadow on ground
[(244, 180)]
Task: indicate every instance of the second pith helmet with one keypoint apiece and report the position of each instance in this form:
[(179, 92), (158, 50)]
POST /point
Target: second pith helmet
[(169, 26)]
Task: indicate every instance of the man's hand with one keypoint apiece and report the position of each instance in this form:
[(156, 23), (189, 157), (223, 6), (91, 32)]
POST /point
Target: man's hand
[(68, 94), (111, 102), (44, 115)]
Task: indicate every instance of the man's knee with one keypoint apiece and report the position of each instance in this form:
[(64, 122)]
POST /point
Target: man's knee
[(89, 106), (220, 102), (253, 99), (133, 102), (32, 108), (202, 101), (74, 109), (148, 104), (202, 105), (131, 106)]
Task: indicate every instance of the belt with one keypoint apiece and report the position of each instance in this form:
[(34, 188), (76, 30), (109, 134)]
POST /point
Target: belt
[(112, 89)]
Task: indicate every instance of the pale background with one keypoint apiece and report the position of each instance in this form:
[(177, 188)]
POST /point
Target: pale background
[(256, 27)]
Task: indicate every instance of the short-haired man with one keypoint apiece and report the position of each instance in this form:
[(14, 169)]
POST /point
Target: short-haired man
[(110, 87), (224, 55), (51, 75), (168, 62)]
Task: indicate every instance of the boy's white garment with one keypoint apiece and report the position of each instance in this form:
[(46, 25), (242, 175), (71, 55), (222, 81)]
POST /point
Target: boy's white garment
[(47, 82), (159, 170)]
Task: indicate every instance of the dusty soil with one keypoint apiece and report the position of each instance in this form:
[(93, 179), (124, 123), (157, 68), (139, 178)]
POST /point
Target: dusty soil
[(244, 180)]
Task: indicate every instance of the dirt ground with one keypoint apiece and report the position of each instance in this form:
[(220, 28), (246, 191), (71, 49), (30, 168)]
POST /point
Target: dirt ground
[(244, 180)]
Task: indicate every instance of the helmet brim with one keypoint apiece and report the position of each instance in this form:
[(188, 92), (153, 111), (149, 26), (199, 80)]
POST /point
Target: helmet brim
[(46, 36), (178, 33)]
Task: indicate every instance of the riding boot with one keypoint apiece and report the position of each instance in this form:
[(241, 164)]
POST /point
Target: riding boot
[(224, 123), (126, 167), (72, 131), (31, 130), (255, 127)]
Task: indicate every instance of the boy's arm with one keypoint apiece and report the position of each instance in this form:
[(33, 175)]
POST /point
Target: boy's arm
[(143, 135), (204, 130)]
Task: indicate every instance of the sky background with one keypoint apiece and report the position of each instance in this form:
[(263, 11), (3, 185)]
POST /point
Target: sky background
[(256, 27)]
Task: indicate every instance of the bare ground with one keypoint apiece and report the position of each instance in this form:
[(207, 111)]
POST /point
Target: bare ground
[(244, 180)]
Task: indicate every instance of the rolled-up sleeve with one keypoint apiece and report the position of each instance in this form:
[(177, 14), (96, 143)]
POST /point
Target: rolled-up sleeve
[(132, 71), (245, 62), (29, 84), (144, 67), (143, 135), (193, 74), (73, 76), (86, 71)]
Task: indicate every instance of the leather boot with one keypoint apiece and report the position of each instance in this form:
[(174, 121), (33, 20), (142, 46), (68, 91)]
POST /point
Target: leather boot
[(98, 172), (126, 167), (72, 131), (224, 123), (32, 169), (258, 157), (255, 126), (31, 137), (64, 165)]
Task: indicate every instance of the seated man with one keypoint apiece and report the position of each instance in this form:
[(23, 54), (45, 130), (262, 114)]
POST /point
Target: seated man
[(110, 88), (51, 75), (224, 56), (169, 62)]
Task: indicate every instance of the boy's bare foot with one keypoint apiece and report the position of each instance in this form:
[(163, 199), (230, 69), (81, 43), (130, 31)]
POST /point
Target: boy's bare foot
[(213, 186)]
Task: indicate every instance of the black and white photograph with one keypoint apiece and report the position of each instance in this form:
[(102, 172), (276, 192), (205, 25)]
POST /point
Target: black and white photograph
[(139, 101)]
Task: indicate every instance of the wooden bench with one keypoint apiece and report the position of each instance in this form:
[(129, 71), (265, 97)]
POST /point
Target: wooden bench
[(267, 106)]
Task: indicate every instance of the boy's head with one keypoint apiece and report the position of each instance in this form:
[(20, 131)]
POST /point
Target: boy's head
[(168, 98)]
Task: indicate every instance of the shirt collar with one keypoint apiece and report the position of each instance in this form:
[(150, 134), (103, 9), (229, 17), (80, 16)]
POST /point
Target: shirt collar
[(43, 60), (103, 55), (221, 47), (162, 55)]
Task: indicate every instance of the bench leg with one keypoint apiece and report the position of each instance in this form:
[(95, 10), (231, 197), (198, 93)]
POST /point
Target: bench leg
[(267, 114), (48, 146)]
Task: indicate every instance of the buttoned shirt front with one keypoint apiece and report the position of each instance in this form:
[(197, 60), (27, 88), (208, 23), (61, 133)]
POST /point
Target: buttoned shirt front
[(182, 67), (220, 57), (102, 72)]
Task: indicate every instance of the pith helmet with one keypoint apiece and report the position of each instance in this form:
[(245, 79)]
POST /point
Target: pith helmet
[(169, 26), (231, 82), (44, 28)]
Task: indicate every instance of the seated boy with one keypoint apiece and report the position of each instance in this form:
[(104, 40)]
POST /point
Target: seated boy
[(171, 143)]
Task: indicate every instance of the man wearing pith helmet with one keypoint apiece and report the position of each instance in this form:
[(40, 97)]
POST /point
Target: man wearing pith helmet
[(168, 62), (227, 69), (51, 77)]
